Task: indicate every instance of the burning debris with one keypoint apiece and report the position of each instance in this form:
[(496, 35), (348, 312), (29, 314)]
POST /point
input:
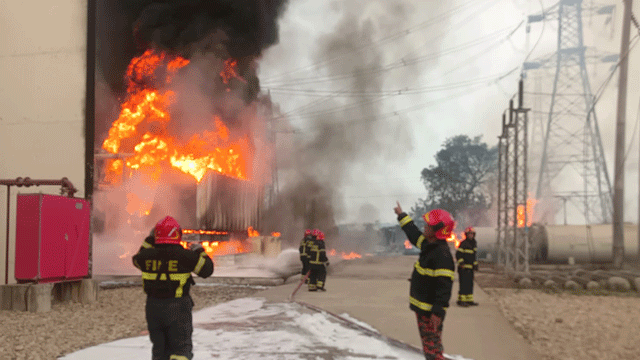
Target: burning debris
[(190, 136), (143, 129)]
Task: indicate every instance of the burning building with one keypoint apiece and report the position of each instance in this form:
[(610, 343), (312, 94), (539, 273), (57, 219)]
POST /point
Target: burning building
[(187, 132)]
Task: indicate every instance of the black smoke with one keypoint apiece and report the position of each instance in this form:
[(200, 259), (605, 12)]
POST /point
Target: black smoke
[(243, 27), (239, 29)]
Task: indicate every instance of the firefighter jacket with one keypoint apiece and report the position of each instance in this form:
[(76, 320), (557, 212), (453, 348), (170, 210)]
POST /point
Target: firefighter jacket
[(466, 254), (317, 252), (305, 244), (166, 268), (432, 277)]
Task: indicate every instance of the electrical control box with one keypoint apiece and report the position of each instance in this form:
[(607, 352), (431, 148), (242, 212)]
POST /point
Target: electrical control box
[(52, 238)]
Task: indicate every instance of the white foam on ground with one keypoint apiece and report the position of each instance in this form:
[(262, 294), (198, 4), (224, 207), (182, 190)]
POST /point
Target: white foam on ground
[(251, 328)]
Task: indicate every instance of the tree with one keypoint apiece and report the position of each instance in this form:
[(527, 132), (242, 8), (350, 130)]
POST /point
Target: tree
[(461, 180)]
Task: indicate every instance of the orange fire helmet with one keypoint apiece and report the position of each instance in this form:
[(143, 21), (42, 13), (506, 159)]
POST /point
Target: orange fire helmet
[(320, 236), (168, 231), (441, 221), (470, 229)]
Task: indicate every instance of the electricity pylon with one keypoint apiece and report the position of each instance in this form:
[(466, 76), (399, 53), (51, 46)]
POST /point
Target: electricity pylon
[(572, 164)]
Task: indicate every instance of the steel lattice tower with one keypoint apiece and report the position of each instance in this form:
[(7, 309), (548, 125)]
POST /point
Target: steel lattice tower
[(572, 162), (513, 222)]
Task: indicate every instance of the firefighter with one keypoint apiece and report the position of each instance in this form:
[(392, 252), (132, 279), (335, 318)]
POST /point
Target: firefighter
[(166, 275), (432, 277), (467, 264), (318, 262), (304, 256)]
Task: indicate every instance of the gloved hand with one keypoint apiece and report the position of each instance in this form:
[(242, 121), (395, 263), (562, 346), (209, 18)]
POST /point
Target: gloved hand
[(195, 246), (475, 267), (326, 264)]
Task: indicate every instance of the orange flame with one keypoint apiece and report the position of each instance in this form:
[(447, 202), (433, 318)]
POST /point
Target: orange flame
[(137, 206), (276, 234), (455, 240), (351, 255), (113, 171), (521, 211), (221, 248), (344, 255), (251, 232), (142, 129), (408, 244), (204, 232), (230, 70)]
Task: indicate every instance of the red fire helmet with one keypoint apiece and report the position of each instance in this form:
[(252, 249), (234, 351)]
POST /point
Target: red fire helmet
[(307, 232), (316, 232), (321, 236), (168, 231), (470, 229), (441, 220)]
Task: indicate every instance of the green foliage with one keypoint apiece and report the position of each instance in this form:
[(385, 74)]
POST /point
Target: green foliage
[(462, 179)]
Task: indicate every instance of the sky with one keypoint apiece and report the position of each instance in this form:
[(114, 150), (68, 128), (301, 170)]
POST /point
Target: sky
[(397, 78), (251, 328)]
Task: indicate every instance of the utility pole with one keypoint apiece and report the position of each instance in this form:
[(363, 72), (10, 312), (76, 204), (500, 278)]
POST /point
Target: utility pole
[(618, 194)]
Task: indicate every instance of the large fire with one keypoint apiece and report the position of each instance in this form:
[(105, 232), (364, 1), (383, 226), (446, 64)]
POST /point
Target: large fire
[(141, 130)]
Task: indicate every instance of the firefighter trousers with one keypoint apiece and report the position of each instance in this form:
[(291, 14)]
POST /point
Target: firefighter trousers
[(465, 293), (170, 325), (430, 328), (318, 276), (305, 264)]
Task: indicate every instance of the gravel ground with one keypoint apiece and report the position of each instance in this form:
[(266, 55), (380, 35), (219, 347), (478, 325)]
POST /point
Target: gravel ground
[(118, 313), (565, 326), (561, 326), (568, 325)]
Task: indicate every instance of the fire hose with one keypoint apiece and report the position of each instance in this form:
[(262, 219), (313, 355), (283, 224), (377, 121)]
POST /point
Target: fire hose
[(299, 285)]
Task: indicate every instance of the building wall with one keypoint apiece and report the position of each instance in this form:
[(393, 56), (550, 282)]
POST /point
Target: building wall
[(42, 100)]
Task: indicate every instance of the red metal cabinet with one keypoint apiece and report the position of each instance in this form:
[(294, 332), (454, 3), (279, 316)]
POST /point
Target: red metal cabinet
[(52, 238)]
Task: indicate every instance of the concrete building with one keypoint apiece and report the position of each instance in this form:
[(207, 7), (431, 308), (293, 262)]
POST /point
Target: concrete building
[(46, 103)]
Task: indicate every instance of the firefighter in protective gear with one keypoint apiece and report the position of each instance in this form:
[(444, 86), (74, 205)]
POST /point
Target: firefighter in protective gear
[(166, 275), (432, 277), (467, 264), (318, 262), (304, 255)]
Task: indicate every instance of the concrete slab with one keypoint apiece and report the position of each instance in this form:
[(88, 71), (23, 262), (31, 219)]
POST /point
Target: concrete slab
[(39, 297), (375, 290)]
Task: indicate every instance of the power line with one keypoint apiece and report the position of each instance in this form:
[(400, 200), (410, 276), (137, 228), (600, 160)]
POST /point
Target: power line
[(320, 101), (397, 112), (425, 24), (402, 62), (454, 68)]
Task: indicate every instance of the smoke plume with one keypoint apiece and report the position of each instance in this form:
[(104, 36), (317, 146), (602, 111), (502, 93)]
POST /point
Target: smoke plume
[(337, 138)]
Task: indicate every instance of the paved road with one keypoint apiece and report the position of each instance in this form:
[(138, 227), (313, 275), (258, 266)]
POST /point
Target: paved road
[(375, 290)]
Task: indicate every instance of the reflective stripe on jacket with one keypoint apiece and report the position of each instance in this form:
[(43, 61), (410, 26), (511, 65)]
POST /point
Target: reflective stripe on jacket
[(317, 252), (433, 273), (466, 254), (166, 269)]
